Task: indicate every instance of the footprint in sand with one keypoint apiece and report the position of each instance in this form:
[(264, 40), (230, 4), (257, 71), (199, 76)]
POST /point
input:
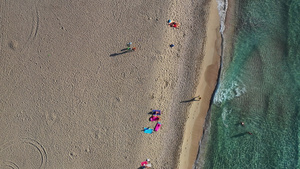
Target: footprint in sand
[(50, 118)]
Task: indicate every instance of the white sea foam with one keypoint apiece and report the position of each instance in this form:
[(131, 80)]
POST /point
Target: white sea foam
[(229, 91), (222, 7), (225, 112)]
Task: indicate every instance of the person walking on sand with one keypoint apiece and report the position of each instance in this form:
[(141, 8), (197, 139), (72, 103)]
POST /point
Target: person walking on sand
[(131, 49), (198, 98)]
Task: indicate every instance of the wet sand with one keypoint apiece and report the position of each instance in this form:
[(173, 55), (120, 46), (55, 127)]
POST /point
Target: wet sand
[(71, 98), (228, 35), (207, 82)]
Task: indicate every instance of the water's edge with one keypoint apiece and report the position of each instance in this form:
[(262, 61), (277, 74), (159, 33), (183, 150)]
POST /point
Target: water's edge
[(222, 8)]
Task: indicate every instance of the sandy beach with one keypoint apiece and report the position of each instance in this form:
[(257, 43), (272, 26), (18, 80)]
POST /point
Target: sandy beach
[(72, 98)]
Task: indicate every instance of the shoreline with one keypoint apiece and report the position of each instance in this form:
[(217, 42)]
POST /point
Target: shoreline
[(197, 111), (227, 36)]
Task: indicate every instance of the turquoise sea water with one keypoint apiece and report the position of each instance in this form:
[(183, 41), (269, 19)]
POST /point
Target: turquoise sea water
[(260, 86)]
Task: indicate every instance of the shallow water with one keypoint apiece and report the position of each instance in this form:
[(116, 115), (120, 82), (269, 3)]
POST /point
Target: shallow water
[(259, 86)]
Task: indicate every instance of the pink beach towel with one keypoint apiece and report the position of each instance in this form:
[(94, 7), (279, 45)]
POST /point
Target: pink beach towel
[(154, 118), (144, 163), (157, 126)]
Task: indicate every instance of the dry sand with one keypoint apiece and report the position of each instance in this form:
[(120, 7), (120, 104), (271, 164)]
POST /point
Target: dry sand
[(71, 99)]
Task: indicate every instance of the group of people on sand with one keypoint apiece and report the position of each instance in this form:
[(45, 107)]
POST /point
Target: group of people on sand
[(171, 23), (155, 117), (156, 113), (129, 48)]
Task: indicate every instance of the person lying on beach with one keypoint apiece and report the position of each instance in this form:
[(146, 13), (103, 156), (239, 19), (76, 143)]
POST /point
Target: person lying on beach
[(174, 24), (154, 118), (156, 112), (146, 164)]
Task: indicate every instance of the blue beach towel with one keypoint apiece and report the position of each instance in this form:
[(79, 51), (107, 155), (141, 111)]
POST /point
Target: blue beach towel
[(148, 130)]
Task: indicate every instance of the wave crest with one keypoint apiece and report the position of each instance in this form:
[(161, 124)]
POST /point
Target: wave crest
[(222, 8), (228, 92)]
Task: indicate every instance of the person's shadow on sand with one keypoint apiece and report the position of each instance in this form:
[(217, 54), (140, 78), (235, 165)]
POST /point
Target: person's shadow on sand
[(123, 51), (142, 167), (186, 101), (151, 113), (191, 100)]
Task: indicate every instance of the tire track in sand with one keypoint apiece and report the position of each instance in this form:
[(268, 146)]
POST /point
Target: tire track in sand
[(24, 141), (10, 35), (9, 164)]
